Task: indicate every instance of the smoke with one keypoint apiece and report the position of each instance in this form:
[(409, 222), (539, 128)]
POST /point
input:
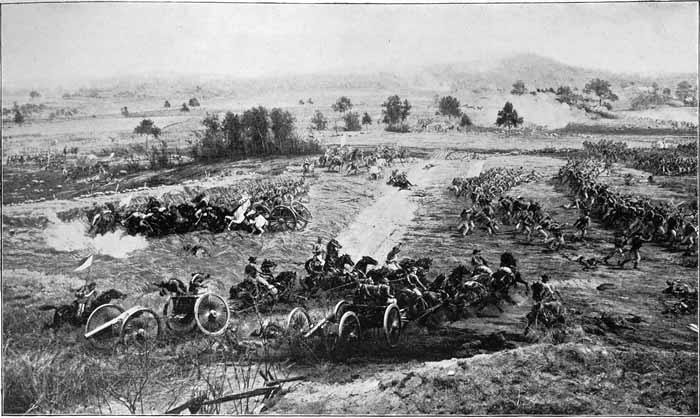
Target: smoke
[(541, 110), (72, 236)]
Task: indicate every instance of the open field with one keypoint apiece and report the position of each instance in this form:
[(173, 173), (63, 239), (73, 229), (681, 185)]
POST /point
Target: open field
[(586, 369)]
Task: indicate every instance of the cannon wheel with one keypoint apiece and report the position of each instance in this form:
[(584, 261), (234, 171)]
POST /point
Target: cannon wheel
[(262, 209), (348, 329), (392, 325), (212, 314), (282, 218), (179, 325), (303, 214), (141, 327), (340, 308), (100, 316), (298, 322)]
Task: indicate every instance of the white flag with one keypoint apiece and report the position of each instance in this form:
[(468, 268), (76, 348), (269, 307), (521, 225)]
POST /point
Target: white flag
[(85, 264), (126, 201)]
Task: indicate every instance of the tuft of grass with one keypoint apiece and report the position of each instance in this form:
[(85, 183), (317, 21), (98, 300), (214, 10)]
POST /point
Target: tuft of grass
[(50, 381)]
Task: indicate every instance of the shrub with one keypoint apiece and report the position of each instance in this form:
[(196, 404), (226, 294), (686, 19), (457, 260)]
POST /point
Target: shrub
[(450, 106), (352, 121), (400, 128), (319, 122)]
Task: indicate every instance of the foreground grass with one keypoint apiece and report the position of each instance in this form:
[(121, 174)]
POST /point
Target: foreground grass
[(576, 378)]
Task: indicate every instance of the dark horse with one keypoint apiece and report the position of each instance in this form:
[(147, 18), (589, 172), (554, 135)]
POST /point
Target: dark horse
[(78, 312)]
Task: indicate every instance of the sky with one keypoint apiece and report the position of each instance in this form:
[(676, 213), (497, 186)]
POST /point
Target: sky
[(58, 44)]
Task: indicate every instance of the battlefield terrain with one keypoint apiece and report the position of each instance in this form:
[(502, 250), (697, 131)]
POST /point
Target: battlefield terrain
[(625, 347)]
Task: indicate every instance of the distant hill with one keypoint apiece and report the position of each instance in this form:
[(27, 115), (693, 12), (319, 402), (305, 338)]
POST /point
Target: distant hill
[(482, 76)]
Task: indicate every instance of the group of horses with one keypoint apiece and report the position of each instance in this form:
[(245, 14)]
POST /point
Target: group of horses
[(350, 160)]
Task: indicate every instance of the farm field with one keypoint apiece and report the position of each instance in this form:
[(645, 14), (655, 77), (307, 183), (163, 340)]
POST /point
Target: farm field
[(586, 369)]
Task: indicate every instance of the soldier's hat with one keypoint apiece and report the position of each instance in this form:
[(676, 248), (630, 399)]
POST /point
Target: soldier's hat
[(252, 259)]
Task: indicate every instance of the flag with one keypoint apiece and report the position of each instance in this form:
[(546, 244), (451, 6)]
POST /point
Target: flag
[(126, 201), (84, 264)]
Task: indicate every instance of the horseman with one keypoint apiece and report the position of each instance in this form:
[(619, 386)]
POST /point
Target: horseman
[(543, 291), (391, 260), (256, 277), (317, 261), (480, 264), (332, 255)]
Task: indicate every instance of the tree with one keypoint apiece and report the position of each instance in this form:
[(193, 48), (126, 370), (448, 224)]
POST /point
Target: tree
[(184, 108), (566, 95), (282, 126), (684, 90), (256, 124), (508, 117), (518, 88), (166, 104), (449, 106), (666, 92), (193, 102), (19, 117), (147, 127), (600, 88), (352, 121), (465, 122), (319, 122), (366, 119), (124, 111), (301, 102), (233, 132), (342, 105), (395, 111), (34, 94)]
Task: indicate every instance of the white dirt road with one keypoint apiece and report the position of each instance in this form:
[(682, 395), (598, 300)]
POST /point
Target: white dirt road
[(383, 224)]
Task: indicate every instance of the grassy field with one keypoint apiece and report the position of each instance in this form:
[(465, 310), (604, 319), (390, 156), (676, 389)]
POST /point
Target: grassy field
[(479, 365)]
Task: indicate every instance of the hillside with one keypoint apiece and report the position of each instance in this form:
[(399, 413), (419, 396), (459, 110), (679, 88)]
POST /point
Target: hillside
[(477, 77)]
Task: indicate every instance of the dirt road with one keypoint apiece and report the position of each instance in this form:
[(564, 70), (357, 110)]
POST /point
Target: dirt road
[(383, 224)]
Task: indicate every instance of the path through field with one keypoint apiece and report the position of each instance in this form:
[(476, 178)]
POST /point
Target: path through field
[(383, 224)]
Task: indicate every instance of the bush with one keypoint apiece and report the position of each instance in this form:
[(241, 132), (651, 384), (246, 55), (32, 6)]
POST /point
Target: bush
[(352, 121), (319, 122), (450, 106), (193, 102), (147, 127), (400, 128), (395, 112), (49, 381), (465, 121)]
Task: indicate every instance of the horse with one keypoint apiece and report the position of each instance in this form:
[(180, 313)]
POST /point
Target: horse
[(546, 313), (361, 265), (78, 312), (335, 161)]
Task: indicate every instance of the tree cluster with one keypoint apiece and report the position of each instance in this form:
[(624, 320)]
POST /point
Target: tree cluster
[(508, 117), (147, 127), (518, 88), (258, 131), (394, 112), (687, 93), (450, 107), (601, 88)]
